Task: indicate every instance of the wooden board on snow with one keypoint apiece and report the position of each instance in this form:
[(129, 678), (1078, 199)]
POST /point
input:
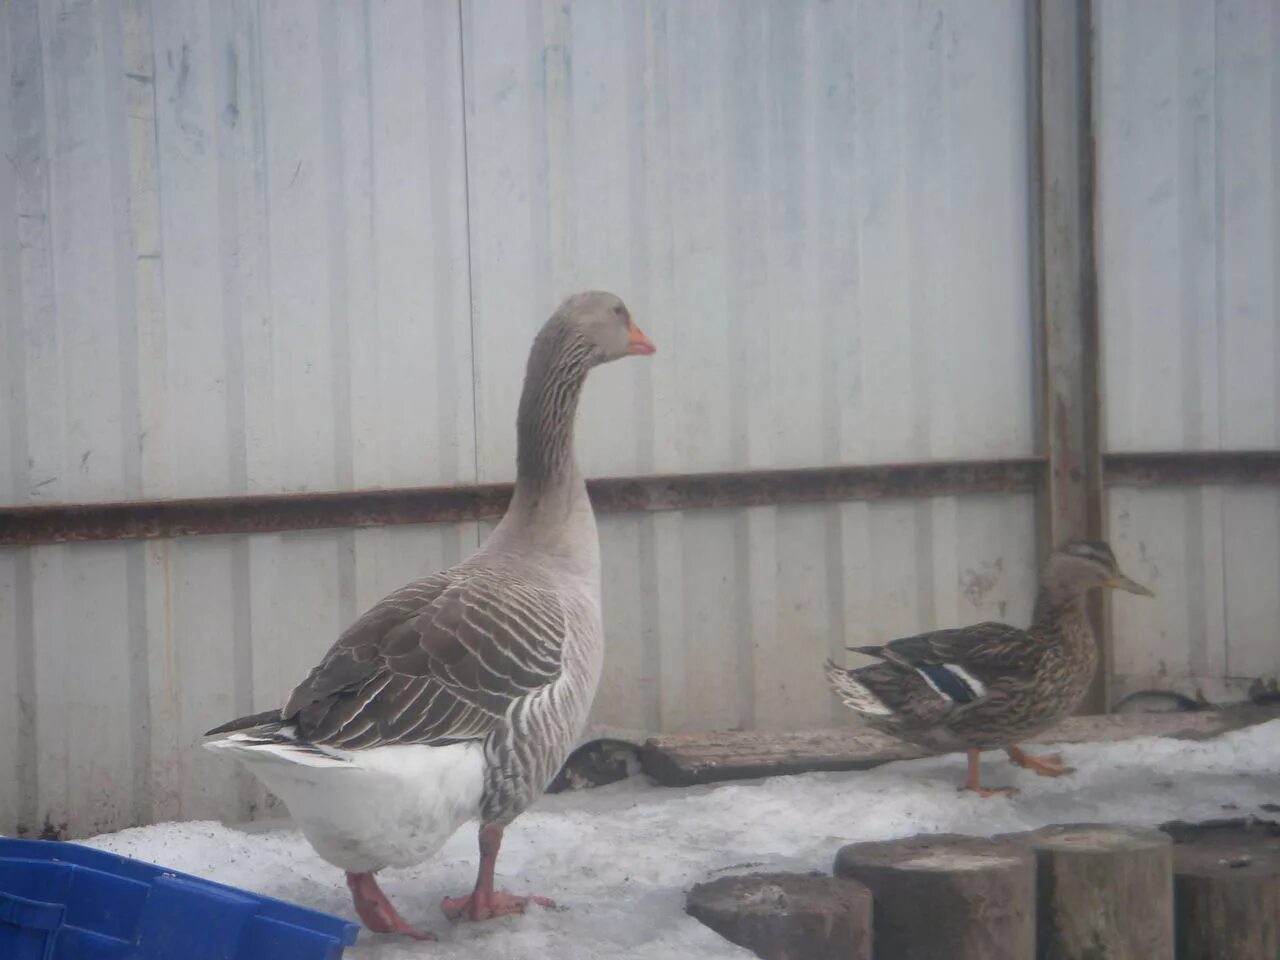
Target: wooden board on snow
[(685, 759)]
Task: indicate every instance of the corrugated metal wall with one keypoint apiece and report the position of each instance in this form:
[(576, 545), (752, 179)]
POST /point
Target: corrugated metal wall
[(299, 245), (1188, 119), (284, 246)]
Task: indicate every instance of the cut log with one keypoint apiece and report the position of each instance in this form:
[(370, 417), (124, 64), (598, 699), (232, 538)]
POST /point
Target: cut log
[(788, 916), (1227, 891), (681, 760), (947, 897), (1102, 891)]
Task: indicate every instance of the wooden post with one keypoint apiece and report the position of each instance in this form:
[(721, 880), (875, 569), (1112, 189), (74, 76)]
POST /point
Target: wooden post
[(788, 916), (1228, 900), (1064, 289), (947, 897), (1102, 891)]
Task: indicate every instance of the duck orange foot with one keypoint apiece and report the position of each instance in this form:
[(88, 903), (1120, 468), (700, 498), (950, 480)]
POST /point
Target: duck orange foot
[(1046, 765), (973, 782)]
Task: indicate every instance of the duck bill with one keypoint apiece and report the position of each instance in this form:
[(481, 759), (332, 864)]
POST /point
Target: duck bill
[(1121, 582), (638, 344)]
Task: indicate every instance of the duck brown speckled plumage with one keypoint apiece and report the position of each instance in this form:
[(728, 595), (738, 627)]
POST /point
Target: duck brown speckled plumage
[(991, 685)]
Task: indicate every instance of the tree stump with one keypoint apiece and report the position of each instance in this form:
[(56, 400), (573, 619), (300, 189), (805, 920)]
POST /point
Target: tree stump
[(947, 897), (1102, 892), (1227, 891), (788, 916)]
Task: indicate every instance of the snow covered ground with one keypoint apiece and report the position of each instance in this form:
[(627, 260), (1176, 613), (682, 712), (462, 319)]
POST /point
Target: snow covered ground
[(619, 858)]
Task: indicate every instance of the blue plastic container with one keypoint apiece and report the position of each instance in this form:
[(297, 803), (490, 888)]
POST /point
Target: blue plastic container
[(62, 901)]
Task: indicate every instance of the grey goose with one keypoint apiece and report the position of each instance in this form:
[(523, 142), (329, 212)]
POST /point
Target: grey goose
[(458, 696)]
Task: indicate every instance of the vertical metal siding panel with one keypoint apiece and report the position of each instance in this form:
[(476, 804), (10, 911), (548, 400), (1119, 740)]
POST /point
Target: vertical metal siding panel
[(72, 653), (1158, 538), (791, 691), (1251, 573), (413, 423), (1138, 221), (600, 229), (81, 689), (192, 394), (197, 434), (146, 378), (833, 256), (204, 673), (1187, 176), (41, 468), (619, 244), (1248, 145), (750, 286), (674, 639), (662, 580), (627, 684), (12, 352), (1249, 58), (15, 728), (34, 414), (298, 176), (896, 573), (81, 221), (701, 332), (997, 558), (296, 612), (714, 684), (53, 801), (163, 694), (884, 288), (506, 165), (709, 690), (301, 582), (981, 376)]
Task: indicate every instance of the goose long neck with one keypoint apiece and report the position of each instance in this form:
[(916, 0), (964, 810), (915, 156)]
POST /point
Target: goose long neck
[(545, 464)]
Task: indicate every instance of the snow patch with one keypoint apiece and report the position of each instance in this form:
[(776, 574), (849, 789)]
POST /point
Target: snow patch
[(620, 857)]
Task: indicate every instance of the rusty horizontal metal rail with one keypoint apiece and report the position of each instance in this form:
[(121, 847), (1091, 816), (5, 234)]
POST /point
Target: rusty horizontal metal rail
[(274, 513), (277, 513), (1195, 468)]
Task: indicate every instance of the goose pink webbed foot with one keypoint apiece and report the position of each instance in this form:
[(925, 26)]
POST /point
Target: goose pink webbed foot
[(484, 902), (376, 911)]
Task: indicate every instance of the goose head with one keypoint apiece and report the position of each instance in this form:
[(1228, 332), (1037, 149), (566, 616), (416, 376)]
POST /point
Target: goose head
[(600, 326)]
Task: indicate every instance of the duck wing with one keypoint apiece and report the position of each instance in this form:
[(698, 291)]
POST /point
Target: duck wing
[(960, 664)]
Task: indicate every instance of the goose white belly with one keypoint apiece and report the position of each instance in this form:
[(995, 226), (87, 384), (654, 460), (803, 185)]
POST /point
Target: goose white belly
[(362, 810)]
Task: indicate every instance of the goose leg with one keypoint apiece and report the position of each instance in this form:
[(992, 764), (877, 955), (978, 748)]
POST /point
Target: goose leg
[(485, 902), (376, 911), (974, 781), (1047, 765)]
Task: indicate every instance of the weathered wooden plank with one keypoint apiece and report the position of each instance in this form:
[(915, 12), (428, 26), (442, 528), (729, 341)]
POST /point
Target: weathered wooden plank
[(678, 760)]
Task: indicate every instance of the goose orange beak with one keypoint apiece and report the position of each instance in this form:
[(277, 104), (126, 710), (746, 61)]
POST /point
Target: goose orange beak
[(638, 343)]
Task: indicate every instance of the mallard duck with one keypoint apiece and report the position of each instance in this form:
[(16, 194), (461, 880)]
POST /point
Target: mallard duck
[(459, 695), (991, 685)]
